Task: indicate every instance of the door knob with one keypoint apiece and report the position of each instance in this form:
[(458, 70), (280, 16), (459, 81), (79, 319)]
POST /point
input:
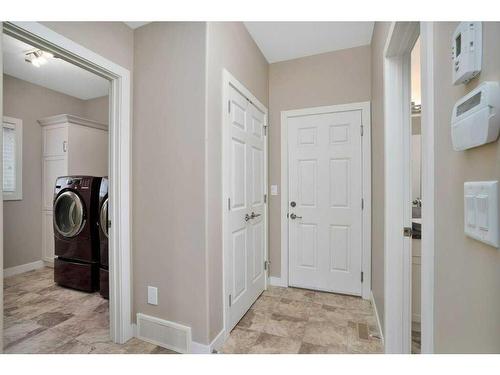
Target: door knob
[(254, 215), (293, 217)]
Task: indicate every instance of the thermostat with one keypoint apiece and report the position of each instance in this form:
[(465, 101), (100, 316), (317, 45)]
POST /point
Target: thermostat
[(475, 120), (466, 51)]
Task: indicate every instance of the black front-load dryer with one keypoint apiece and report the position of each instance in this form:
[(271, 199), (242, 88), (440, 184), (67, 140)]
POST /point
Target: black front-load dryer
[(76, 211), (103, 239)]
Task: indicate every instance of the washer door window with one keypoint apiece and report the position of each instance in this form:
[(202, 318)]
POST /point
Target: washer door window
[(68, 214), (103, 218)]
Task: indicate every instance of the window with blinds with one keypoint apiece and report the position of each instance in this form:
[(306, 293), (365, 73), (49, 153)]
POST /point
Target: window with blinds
[(9, 159), (12, 136)]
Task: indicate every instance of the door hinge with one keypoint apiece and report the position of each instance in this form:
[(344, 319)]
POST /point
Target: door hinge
[(407, 232), (266, 265), (362, 130), (362, 276), (229, 204), (362, 204), (265, 129), (229, 106), (230, 300), (265, 198)]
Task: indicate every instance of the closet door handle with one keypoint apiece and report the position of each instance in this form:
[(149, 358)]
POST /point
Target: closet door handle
[(65, 146)]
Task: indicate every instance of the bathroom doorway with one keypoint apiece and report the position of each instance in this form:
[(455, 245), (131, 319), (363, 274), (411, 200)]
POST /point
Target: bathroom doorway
[(416, 196)]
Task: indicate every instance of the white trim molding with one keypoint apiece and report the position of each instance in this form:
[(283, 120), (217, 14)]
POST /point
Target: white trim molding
[(364, 107), (65, 118), (397, 207), (11, 271), (229, 80), (120, 211), (427, 290)]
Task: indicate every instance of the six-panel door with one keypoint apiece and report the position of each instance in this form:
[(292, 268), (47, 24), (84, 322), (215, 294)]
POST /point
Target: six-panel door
[(246, 219), (325, 182)]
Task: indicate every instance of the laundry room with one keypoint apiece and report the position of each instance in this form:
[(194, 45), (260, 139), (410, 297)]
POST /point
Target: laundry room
[(55, 199)]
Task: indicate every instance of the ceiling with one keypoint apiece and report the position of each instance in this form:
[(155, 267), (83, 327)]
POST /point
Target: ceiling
[(280, 41), (56, 74)]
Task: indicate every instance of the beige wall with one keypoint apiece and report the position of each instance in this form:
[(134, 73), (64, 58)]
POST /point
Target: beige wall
[(112, 40), (377, 94), (97, 109), (467, 272), (29, 102), (332, 78), (230, 47), (169, 173)]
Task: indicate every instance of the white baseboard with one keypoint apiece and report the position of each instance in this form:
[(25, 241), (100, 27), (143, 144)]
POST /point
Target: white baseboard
[(277, 281), (23, 268), (216, 344), (372, 298)]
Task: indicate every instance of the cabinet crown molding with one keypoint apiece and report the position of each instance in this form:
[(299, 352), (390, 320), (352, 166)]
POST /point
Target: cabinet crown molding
[(72, 119)]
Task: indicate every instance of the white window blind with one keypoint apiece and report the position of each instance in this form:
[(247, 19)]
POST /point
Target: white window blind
[(9, 159), (12, 152)]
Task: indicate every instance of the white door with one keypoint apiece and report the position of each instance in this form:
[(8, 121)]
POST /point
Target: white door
[(325, 192), (246, 219)]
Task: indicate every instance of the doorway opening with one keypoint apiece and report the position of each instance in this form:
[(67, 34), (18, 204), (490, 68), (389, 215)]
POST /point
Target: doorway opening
[(416, 197), (409, 189), (45, 41)]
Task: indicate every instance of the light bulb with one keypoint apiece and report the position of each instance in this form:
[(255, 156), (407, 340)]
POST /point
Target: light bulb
[(41, 60), (35, 62), (48, 55)]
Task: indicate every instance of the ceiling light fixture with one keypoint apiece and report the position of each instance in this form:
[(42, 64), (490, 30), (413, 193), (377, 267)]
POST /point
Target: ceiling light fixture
[(38, 57)]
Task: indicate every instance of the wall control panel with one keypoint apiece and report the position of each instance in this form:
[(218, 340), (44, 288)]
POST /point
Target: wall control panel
[(475, 120), (481, 211), (466, 51)]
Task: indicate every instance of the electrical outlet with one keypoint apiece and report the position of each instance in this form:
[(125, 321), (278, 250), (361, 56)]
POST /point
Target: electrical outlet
[(152, 295), (274, 189)]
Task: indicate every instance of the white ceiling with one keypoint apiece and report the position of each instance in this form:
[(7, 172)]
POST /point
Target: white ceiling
[(56, 74), (280, 41)]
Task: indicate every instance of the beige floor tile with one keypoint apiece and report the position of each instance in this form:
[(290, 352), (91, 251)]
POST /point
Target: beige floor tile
[(325, 334), (72, 347), (285, 326), (298, 294), (19, 331), (271, 344), (274, 291), (266, 303), (254, 320), (307, 348), (240, 341), (43, 342), (294, 308)]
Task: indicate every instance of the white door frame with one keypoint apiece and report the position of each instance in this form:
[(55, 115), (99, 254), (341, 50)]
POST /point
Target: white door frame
[(427, 126), (397, 132), (364, 107), (120, 299), (229, 80)]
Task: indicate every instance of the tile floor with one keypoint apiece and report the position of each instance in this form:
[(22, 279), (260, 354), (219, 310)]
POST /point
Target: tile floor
[(290, 320), (41, 317)]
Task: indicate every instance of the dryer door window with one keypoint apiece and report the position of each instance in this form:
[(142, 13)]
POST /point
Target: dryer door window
[(103, 217), (68, 214)]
